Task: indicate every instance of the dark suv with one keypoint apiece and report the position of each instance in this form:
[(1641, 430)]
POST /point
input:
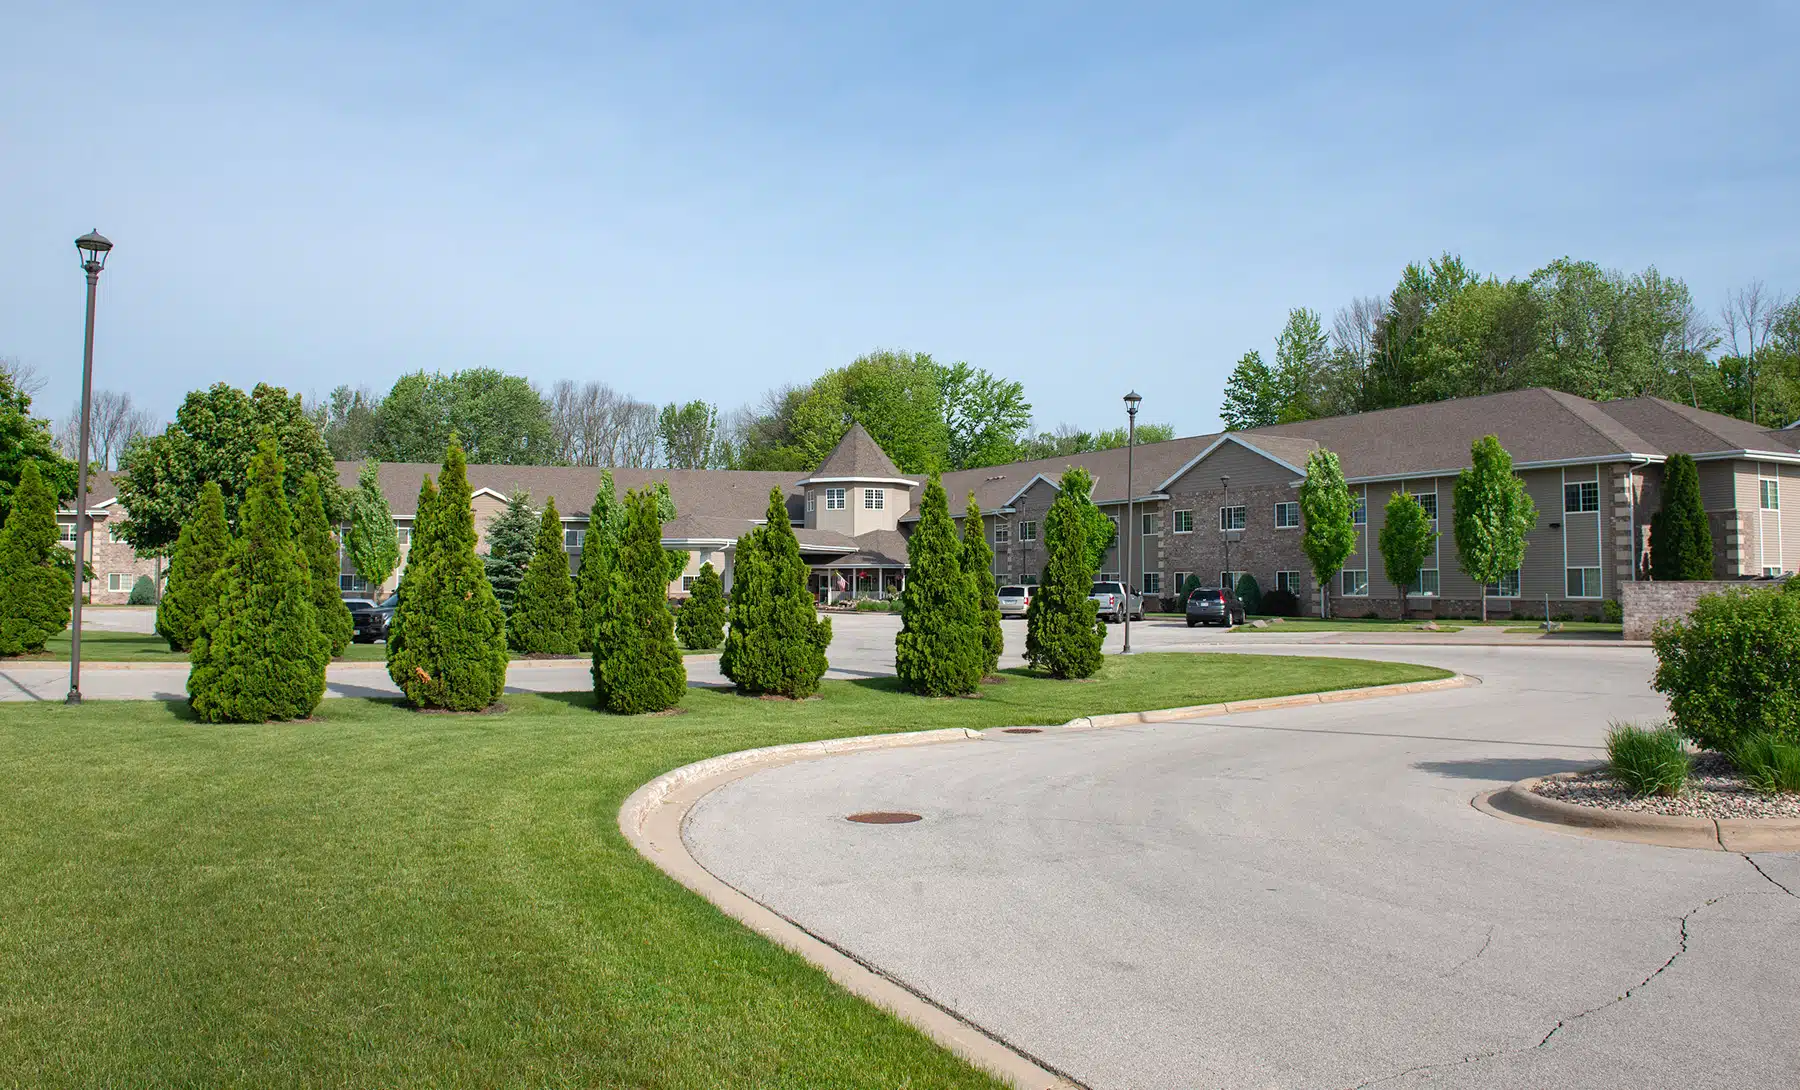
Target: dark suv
[(1214, 607), (370, 622)]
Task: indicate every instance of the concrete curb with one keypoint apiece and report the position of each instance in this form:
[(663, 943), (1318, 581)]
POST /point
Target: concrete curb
[(653, 817), (1522, 804)]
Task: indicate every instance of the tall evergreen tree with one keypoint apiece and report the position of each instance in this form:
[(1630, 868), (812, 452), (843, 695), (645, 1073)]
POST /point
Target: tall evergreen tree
[(261, 654), (1329, 536), (1406, 540), (511, 540), (373, 542), (1062, 633), (418, 556), (637, 667), (453, 654), (1681, 545), (777, 640), (700, 623), (545, 619), (199, 553), (1493, 515), (978, 562), (939, 650), (599, 559), (319, 551), (35, 591)]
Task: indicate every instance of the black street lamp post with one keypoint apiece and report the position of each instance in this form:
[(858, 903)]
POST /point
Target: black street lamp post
[(1131, 411), (93, 247), (1225, 521)]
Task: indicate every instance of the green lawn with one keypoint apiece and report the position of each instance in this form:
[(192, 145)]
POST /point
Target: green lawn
[(99, 646), (1349, 624), (383, 898)]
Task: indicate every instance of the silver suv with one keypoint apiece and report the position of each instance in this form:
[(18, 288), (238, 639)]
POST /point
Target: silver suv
[(1110, 601), (1014, 600)]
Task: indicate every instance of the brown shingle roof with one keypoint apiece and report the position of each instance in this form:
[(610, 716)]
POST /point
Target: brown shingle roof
[(1683, 429), (858, 455), (713, 493), (994, 486)]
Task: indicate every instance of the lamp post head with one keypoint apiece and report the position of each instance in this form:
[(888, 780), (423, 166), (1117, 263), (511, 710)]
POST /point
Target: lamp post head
[(94, 247), (1131, 402), (1224, 480)]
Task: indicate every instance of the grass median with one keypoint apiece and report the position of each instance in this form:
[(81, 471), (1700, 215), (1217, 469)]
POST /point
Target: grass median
[(381, 897)]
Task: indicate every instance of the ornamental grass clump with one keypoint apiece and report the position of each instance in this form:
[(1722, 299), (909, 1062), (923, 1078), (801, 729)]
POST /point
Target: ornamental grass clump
[(1647, 762), (1769, 764)]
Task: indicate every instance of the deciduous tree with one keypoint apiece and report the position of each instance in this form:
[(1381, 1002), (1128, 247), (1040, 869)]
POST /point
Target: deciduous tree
[(1406, 540), (1328, 536), (1494, 513), (373, 541)]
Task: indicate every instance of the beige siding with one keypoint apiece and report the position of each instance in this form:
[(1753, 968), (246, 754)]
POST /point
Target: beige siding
[(1790, 518), (1246, 468)]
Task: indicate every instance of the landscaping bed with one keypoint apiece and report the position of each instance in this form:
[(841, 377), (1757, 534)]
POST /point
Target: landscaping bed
[(1715, 789)]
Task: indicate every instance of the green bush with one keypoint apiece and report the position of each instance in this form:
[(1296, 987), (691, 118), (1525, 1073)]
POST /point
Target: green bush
[(777, 641), (545, 619), (319, 550), (199, 553), (872, 605), (261, 654), (637, 667), (418, 558), (452, 652), (143, 592), (1062, 632), (1770, 764), (978, 562), (1732, 668), (1611, 612), (938, 651), (599, 557), (1279, 603), (35, 592), (1681, 545), (512, 540), (1187, 588), (1250, 593), (700, 623), (1647, 762)]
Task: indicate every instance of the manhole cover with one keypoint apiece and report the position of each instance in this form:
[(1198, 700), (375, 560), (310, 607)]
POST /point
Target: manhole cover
[(1022, 730), (884, 817)]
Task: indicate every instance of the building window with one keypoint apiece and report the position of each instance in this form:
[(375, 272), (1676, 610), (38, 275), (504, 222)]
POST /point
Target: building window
[(1228, 580), (1427, 500), (1581, 496), (1027, 531), (1771, 494), (1231, 518), (687, 583), (1184, 522), (1153, 582), (1507, 587), (1002, 533), (1355, 582), (1771, 573), (1584, 582), (1287, 516), (1148, 524), (834, 499), (1107, 577), (1181, 578), (68, 531), (118, 580), (573, 538), (874, 498), (1359, 513), (405, 535), (1425, 583), (1288, 581)]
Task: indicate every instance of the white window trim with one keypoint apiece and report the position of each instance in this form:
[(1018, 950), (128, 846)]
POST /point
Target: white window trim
[(1363, 593), (1279, 507), (836, 499), (1028, 530), (1237, 527), (1493, 590), (874, 499), (1002, 533), (1175, 523), (1598, 577), (1145, 585), (1181, 578), (1419, 580), (1148, 518), (1296, 589)]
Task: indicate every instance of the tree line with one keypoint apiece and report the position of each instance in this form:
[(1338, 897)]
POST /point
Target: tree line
[(1447, 331)]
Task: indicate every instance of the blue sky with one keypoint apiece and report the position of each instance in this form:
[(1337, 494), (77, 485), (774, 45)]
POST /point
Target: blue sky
[(706, 201)]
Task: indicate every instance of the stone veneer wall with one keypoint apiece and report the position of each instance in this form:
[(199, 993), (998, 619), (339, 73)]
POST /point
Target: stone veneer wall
[(1645, 603)]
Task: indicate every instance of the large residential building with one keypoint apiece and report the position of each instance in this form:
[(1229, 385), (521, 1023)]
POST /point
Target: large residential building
[(1215, 506)]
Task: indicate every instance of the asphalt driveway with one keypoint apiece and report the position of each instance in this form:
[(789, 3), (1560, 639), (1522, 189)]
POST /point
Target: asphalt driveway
[(1301, 898)]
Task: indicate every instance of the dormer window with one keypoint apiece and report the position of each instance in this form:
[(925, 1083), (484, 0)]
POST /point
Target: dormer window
[(834, 499), (874, 498)]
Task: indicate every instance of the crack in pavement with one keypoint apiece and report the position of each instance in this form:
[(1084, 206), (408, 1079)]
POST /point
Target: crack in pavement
[(1766, 875), (1476, 956), (1562, 1023)]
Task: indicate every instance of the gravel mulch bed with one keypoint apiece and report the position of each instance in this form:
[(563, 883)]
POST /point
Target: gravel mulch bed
[(1714, 790)]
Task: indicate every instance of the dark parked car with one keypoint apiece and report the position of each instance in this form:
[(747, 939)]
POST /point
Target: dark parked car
[(1219, 607), (369, 620)]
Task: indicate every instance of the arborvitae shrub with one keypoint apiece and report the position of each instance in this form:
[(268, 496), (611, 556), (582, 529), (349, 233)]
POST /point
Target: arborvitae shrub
[(637, 667), (599, 559), (978, 562), (700, 623), (143, 592), (453, 653), (406, 609), (319, 548), (545, 619), (35, 592), (1681, 546), (938, 651), (1062, 634), (199, 553), (260, 654), (777, 640)]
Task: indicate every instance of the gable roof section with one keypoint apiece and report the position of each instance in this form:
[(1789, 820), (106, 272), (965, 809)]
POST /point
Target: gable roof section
[(997, 487), (858, 457), (1288, 452), (1683, 429)]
